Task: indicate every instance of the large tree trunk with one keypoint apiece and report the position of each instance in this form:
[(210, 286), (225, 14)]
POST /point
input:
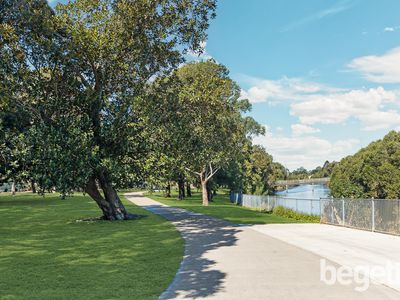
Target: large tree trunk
[(203, 182), (110, 194), (188, 190), (181, 187), (110, 204)]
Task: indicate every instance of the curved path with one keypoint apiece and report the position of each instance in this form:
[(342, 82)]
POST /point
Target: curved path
[(226, 261)]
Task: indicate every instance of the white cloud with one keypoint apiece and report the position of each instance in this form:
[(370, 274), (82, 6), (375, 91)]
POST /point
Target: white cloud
[(301, 129), (382, 69), (381, 120), (306, 151), (364, 105), (282, 89), (315, 103), (389, 29), (203, 55)]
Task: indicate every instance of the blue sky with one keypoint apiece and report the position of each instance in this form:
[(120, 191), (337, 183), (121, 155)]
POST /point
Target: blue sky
[(323, 76)]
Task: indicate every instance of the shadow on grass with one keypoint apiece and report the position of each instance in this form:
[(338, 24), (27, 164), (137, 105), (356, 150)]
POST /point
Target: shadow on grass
[(31, 202)]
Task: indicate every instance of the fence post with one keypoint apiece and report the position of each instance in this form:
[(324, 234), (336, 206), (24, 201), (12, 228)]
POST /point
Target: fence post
[(311, 204), (269, 207), (373, 215), (398, 216), (297, 207), (343, 214), (320, 207)]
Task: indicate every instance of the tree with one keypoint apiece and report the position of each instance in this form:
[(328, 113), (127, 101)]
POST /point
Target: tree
[(81, 72), (14, 158), (214, 127), (374, 171), (261, 172), (201, 119), (299, 173), (258, 168), (324, 171)]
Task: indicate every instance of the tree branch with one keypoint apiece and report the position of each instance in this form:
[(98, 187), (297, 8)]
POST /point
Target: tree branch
[(193, 171), (212, 173)]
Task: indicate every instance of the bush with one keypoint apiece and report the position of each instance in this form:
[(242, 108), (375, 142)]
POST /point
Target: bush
[(290, 213)]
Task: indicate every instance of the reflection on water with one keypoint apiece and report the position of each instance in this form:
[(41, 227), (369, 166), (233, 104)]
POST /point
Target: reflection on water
[(306, 191)]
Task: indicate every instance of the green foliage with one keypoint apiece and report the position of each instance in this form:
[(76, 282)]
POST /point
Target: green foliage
[(210, 111), (196, 116), (81, 74), (260, 172), (14, 156), (290, 213), (374, 171), (52, 166), (319, 172), (299, 173), (324, 171)]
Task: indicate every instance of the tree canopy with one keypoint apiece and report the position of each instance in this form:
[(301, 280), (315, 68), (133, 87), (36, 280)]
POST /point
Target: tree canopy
[(201, 117), (374, 171), (96, 95), (80, 73)]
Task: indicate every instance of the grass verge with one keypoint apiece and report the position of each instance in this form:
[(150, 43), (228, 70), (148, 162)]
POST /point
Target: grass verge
[(290, 213), (222, 208), (46, 254)]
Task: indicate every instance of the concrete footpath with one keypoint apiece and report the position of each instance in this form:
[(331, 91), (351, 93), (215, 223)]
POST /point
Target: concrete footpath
[(226, 261), (345, 246)]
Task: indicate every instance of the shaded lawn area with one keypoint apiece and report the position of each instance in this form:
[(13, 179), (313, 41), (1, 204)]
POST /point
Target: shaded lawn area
[(46, 254), (221, 208)]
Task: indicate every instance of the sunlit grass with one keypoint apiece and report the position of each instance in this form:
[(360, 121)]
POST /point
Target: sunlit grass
[(46, 254), (221, 208)]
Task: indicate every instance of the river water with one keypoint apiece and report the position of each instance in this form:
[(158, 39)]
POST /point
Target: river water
[(307, 198), (306, 191)]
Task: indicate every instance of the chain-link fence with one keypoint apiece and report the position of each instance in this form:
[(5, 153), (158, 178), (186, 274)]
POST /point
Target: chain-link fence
[(367, 214), (267, 203)]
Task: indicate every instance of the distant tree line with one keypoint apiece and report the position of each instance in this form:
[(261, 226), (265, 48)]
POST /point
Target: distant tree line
[(319, 172)]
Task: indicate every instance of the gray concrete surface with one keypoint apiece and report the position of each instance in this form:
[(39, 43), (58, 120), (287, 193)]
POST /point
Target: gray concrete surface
[(345, 246), (226, 261)]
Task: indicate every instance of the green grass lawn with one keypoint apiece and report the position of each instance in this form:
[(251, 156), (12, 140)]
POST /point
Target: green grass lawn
[(221, 208), (46, 254)]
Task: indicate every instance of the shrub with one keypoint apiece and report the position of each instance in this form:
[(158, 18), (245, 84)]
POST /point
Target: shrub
[(290, 213)]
